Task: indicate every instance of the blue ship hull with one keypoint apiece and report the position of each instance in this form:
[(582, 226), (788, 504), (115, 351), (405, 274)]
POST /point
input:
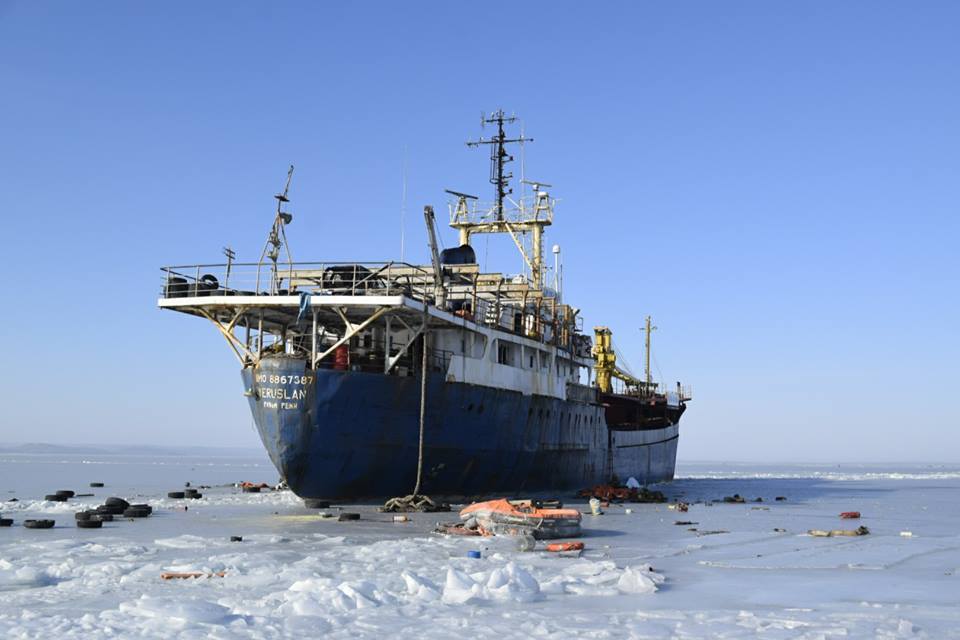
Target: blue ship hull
[(352, 435)]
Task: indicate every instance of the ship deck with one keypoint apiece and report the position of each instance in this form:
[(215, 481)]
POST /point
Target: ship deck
[(327, 304)]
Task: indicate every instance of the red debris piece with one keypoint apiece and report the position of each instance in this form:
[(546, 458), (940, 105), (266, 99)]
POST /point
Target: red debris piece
[(612, 493), (565, 546), (850, 515)]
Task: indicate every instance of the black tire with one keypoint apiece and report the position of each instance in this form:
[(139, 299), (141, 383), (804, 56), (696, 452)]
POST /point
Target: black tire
[(53, 497), (96, 484), (236, 538), (188, 491), (38, 524), (84, 515), (6, 522), (145, 507), (111, 509), (176, 495), (102, 517), (116, 501), (344, 517), (133, 512), (195, 496), (314, 503), (89, 524), (66, 493), (251, 489)]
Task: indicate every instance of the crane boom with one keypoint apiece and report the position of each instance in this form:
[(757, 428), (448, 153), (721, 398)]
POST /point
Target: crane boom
[(606, 366)]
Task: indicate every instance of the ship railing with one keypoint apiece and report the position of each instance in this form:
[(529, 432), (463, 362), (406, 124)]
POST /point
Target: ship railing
[(522, 210), (494, 308), (317, 278)]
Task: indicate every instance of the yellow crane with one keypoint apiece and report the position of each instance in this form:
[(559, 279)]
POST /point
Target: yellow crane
[(606, 366)]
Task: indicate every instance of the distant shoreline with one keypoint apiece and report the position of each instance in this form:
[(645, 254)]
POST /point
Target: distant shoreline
[(107, 449)]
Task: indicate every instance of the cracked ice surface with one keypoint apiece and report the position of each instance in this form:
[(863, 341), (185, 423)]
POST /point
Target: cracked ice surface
[(642, 576)]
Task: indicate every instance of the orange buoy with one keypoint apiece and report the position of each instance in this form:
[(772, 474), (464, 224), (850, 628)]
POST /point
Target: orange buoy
[(565, 546)]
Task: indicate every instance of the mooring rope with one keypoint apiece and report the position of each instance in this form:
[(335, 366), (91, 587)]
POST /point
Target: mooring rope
[(423, 410), (415, 501)]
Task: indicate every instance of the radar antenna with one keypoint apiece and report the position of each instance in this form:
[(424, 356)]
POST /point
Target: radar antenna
[(499, 157)]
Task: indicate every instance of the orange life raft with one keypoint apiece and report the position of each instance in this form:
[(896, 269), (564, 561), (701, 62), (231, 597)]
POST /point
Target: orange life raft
[(522, 517)]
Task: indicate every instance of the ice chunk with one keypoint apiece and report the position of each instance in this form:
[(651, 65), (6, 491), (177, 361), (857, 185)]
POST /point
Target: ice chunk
[(639, 580), (512, 583), (632, 483), (460, 588), (190, 611), (185, 541), (24, 578), (419, 587)]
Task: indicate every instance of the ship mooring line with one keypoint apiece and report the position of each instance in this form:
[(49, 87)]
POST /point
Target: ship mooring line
[(415, 501), (423, 407)]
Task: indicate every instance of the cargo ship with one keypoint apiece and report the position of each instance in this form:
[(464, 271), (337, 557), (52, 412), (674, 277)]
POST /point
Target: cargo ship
[(362, 375)]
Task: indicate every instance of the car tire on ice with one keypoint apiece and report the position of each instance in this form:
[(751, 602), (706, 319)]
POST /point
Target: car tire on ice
[(344, 517), (53, 497), (89, 524), (6, 522), (134, 512), (177, 495), (38, 524), (83, 515), (118, 502), (314, 503)]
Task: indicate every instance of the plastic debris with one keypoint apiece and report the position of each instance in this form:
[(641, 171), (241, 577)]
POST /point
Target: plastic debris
[(632, 483), (820, 533), (556, 547), (850, 515), (906, 534), (595, 507), (456, 529), (614, 493), (734, 499), (173, 575), (712, 533)]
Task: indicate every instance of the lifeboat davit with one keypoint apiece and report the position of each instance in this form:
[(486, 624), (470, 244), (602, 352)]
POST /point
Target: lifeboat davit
[(542, 520)]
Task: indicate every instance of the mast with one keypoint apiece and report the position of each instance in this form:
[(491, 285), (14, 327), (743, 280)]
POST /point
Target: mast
[(468, 218), (499, 157), (649, 328)]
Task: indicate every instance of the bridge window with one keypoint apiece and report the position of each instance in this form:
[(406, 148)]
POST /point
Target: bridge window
[(508, 353)]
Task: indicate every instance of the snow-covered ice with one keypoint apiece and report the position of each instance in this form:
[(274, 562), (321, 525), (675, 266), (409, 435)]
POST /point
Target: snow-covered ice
[(641, 576)]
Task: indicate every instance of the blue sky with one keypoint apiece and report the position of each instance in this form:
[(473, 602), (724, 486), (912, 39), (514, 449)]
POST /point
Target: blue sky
[(776, 183)]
